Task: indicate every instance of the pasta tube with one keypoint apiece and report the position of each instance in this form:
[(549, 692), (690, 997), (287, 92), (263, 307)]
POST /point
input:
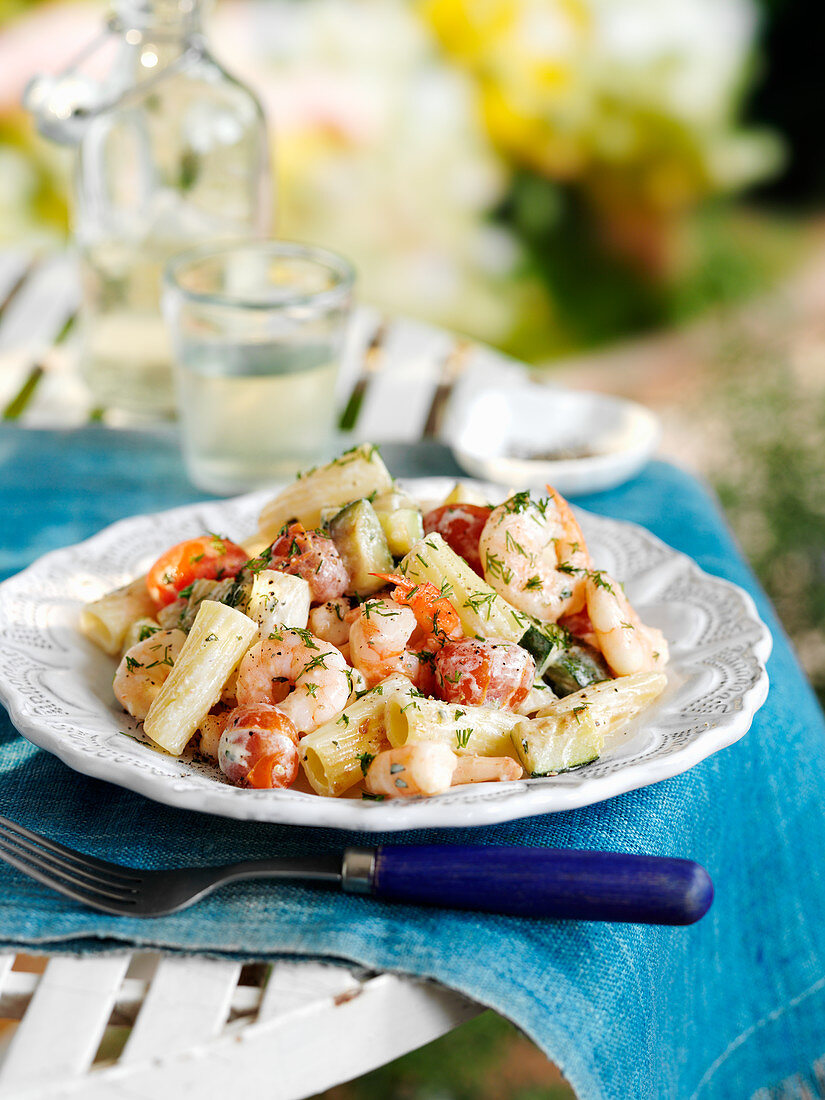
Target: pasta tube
[(611, 703), (139, 631), (571, 731), (357, 473), (462, 493), (278, 600), (219, 637), (105, 621), (336, 755), (480, 731), (482, 611)]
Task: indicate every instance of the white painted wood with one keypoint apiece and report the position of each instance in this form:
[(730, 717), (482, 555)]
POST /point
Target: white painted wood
[(14, 263), (481, 367), (61, 1030), (19, 987), (61, 399), (363, 326), (398, 398), (288, 1057), (6, 963), (295, 983), (37, 313), (187, 1004)]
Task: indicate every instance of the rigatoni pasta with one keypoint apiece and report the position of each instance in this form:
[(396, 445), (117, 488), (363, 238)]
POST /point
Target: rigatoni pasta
[(467, 730), (337, 755), (358, 473), (482, 611), (218, 639), (106, 621)]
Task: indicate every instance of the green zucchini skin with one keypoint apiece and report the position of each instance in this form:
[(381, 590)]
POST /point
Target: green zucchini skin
[(564, 663), (552, 746), (360, 540)]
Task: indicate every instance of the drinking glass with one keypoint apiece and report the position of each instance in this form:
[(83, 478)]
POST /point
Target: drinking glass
[(256, 331)]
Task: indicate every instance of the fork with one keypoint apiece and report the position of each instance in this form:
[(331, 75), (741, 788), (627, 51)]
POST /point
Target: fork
[(531, 882)]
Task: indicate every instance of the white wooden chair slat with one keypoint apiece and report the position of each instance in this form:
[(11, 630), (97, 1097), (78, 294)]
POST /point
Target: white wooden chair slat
[(37, 313), (362, 328), (61, 1030), (19, 986), (13, 265), (294, 984), (61, 399), (187, 1004), (6, 963), (398, 399), (286, 1057)]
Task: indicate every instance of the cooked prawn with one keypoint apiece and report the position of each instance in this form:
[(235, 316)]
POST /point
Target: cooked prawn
[(437, 619), (330, 621), (378, 640), (427, 769), (626, 643), (143, 671), (534, 555), (317, 672)]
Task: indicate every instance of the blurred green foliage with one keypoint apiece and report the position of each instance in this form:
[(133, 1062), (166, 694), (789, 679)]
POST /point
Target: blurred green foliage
[(483, 1059)]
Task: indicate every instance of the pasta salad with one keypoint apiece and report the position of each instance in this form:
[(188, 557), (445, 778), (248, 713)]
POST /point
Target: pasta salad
[(382, 646)]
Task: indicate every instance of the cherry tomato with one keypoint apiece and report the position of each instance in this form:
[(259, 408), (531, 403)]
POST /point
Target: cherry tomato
[(313, 556), (434, 613), (209, 557), (460, 525), (580, 626), (475, 673), (258, 747)]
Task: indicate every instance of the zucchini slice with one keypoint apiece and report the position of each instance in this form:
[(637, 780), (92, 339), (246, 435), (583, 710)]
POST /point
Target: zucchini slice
[(359, 537), (547, 746), (565, 664)]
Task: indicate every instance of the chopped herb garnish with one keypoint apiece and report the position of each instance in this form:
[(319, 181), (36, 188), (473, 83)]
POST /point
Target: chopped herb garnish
[(316, 662), (462, 737), (132, 664), (365, 759)]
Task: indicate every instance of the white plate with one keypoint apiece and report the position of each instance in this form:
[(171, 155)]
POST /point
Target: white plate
[(57, 686), (592, 441)]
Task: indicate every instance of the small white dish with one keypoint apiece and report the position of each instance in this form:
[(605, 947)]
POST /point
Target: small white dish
[(534, 435)]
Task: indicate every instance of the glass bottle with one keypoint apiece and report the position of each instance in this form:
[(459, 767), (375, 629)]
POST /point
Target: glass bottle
[(171, 152)]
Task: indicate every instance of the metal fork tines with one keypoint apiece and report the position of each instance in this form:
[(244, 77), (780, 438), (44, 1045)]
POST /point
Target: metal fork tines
[(128, 891), (92, 881)]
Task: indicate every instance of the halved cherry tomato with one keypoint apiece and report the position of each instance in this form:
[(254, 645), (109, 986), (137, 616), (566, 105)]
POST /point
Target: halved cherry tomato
[(433, 612), (258, 747), (460, 525), (473, 673), (580, 627), (209, 557)]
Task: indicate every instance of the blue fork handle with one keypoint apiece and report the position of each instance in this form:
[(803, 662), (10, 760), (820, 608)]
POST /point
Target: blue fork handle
[(545, 882)]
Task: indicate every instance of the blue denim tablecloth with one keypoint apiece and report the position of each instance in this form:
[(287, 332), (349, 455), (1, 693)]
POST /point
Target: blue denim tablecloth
[(725, 1008)]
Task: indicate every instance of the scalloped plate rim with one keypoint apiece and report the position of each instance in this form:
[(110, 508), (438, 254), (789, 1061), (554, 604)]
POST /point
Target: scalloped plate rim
[(511, 801)]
